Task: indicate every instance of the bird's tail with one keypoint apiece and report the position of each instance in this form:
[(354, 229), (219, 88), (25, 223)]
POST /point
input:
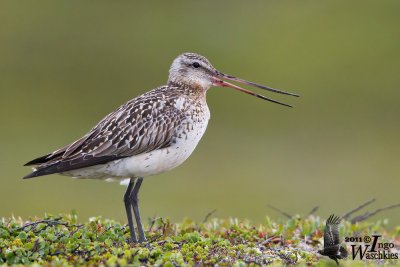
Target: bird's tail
[(343, 252)]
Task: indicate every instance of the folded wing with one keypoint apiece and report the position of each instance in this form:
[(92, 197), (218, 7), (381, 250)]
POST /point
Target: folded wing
[(141, 125)]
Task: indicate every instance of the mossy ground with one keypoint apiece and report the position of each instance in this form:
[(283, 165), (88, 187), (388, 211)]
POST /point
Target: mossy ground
[(62, 240)]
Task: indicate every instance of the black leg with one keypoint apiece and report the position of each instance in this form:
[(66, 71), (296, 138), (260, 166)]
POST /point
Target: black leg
[(337, 262), (128, 209), (135, 201)]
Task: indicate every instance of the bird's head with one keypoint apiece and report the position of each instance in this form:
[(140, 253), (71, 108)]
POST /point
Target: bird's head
[(193, 70), (197, 72)]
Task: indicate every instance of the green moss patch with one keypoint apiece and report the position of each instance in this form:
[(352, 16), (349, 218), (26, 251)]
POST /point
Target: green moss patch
[(63, 241)]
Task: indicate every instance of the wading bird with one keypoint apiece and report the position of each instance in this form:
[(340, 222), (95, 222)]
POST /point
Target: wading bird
[(148, 135), (332, 247)]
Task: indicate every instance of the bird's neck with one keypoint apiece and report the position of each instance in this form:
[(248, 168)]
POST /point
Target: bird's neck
[(195, 91)]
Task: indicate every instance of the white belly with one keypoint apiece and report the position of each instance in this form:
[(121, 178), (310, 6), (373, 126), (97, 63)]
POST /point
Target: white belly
[(160, 160), (147, 164)]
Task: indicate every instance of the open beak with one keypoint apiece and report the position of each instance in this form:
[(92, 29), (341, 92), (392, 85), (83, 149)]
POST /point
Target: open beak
[(217, 81)]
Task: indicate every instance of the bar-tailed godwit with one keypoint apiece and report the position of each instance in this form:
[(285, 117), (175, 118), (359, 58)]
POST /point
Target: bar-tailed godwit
[(148, 135)]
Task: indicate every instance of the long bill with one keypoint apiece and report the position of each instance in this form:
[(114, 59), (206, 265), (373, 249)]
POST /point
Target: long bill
[(217, 81)]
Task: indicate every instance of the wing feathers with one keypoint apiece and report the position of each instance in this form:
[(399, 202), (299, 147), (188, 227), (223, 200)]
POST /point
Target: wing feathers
[(331, 235), (142, 125)]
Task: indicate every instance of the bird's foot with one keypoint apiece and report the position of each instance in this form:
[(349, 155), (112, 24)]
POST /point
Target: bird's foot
[(142, 239), (132, 240)]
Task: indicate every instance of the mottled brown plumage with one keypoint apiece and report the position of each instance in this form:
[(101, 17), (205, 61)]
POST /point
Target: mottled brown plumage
[(144, 124)]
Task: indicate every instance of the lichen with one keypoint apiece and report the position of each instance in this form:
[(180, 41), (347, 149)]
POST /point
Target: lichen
[(62, 241)]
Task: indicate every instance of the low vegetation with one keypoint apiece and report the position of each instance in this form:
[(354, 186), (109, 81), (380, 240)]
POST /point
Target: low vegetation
[(64, 241)]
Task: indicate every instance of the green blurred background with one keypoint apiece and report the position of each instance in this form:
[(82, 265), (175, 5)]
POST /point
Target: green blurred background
[(66, 64)]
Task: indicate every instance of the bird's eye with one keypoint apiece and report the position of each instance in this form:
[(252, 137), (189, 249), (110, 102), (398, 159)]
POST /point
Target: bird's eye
[(196, 65)]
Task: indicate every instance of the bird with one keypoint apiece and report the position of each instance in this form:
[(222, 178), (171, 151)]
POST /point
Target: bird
[(332, 247), (148, 135)]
